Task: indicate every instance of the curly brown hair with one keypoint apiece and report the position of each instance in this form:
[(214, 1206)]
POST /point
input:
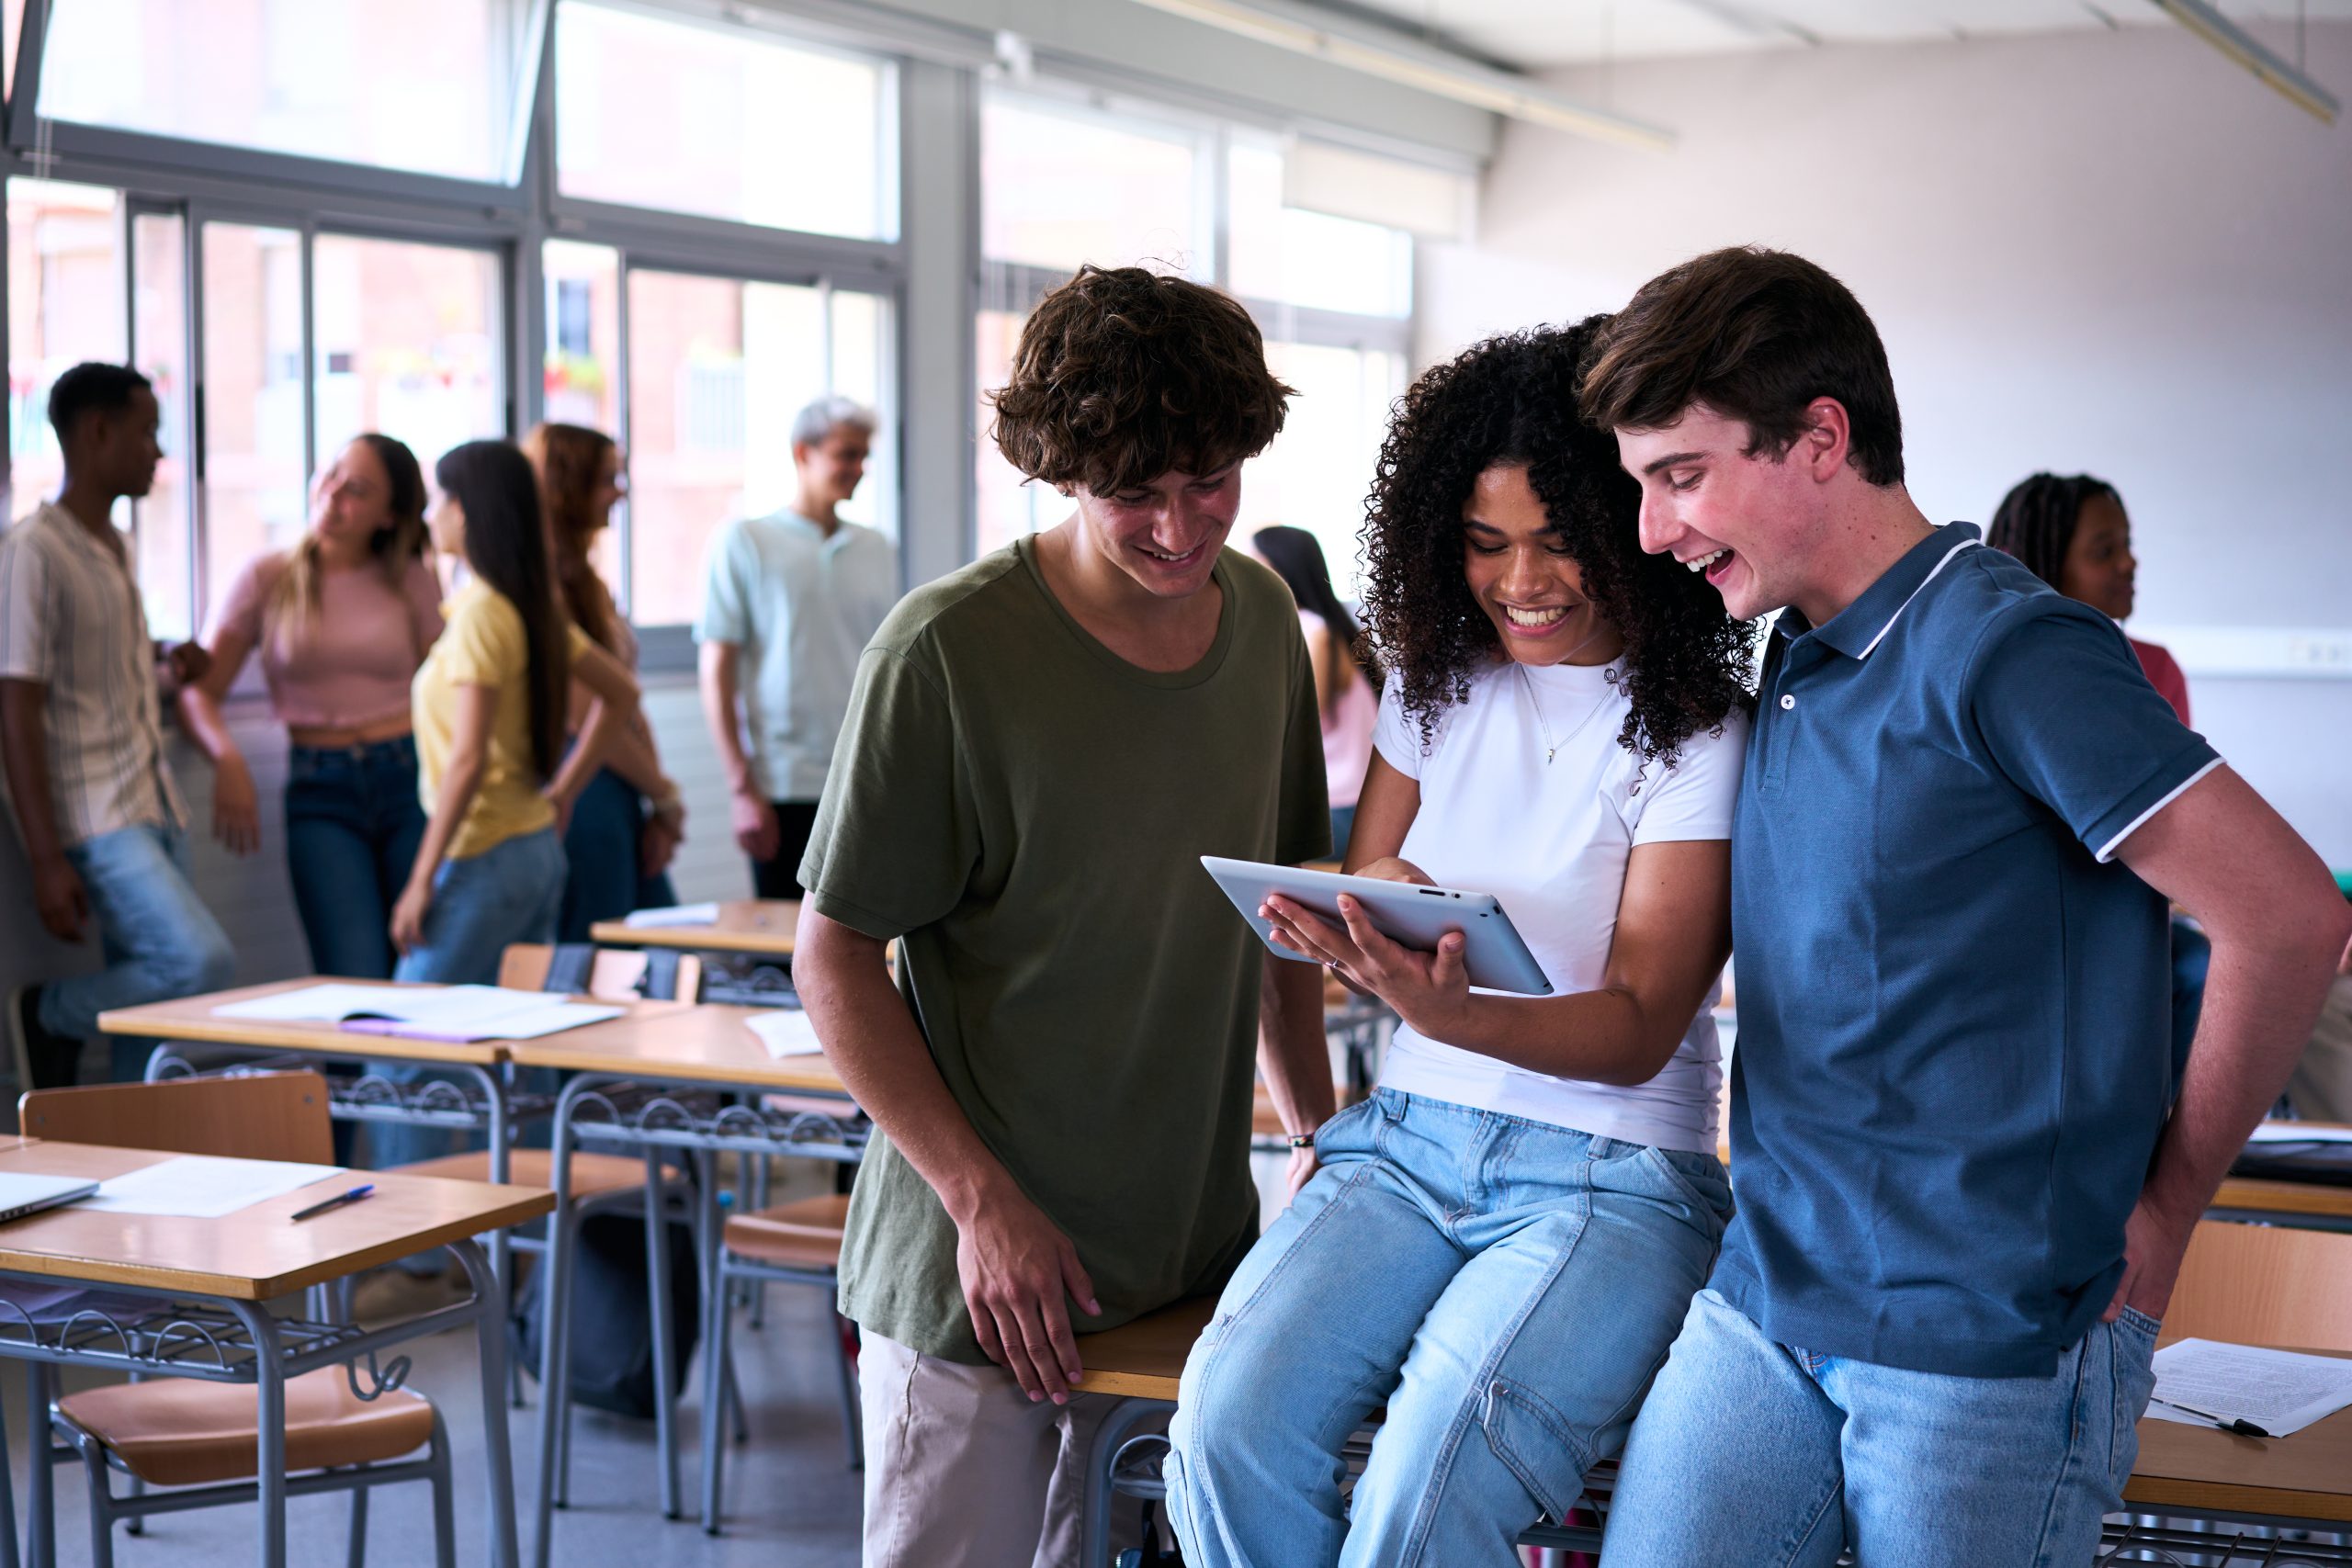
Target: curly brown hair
[(1124, 375), (1512, 401)]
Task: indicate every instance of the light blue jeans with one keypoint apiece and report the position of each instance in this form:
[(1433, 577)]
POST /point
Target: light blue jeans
[(509, 893), (1506, 1287), (1754, 1453), (159, 940)]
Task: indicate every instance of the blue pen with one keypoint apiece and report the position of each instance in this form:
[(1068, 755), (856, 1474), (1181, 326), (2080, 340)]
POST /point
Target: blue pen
[(337, 1202)]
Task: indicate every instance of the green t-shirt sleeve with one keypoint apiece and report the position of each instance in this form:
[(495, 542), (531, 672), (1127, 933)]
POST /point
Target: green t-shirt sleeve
[(897, 835), (1303, 823)]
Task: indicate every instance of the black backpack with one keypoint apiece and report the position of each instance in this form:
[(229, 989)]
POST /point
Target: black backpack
[(612, 1325)]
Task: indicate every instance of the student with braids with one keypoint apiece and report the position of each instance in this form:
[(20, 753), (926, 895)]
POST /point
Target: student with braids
[(2073, 534), (342, 621), (1501, 1241)]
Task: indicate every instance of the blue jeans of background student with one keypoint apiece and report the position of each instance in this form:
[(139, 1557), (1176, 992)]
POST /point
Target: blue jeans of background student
[(1506, 1287), (1757, 1453), (1343, 828), (352, 827), (506, 893), (601, 849), (159, 940)]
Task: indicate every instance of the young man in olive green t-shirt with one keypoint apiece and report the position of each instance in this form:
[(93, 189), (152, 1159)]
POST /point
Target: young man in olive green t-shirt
[(1039, 749)]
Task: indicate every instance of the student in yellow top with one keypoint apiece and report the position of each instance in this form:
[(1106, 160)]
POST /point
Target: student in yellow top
[(489, 707)]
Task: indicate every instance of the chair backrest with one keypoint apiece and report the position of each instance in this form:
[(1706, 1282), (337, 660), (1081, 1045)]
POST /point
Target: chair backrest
[(613, 976), (2264, 1285), (249, 1116)]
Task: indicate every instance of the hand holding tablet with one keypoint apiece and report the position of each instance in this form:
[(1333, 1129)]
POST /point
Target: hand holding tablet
[(1411, 915)]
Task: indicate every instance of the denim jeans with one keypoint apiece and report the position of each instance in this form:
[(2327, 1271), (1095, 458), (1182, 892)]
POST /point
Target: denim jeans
[(352, 827), (159, 940), (601, 850), (1506, 1287), (1756, 1453), (506, 893)]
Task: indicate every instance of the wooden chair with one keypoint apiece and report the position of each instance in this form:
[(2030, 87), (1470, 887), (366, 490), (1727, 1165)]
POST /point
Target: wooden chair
[(2264, 1285), (176, 1432)]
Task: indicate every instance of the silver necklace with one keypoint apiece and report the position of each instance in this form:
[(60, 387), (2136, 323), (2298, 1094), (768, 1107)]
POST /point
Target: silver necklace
[(1551, 747)]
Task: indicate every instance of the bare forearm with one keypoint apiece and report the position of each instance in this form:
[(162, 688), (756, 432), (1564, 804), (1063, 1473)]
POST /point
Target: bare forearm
[(1294, 1056), (872, 1042), (590, 751), (1603, 1036), (717, 684), (24, 754), (458, 783), (201, 717), (630, 753)]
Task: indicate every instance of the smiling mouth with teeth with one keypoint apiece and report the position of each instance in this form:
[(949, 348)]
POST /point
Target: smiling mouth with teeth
[(1700, 563), (1534, 619), (1163, 555)]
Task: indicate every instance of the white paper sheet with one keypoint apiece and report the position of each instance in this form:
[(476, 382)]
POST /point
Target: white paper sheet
[(2300, 1132), (202, 1187), (677, 915), (2279, 1390), (445, 1012), (786, 1031)]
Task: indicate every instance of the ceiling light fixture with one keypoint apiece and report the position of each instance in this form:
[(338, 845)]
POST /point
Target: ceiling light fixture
[(1431, 71), (2234, 41)]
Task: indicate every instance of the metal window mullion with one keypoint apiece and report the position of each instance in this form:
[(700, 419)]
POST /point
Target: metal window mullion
[(1219, 190), (199, 512), (24, 92), (309, 357), (624, 415)]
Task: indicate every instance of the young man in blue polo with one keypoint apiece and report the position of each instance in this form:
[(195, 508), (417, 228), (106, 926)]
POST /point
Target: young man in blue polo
[(1962, 1205)]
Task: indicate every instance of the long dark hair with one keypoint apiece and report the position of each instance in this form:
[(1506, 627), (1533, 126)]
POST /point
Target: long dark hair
[(2037, 518), (506, 546), (1512, 400), (1297, 559)]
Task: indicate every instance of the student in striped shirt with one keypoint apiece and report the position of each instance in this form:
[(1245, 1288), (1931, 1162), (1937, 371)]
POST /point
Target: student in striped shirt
[(82, 747)]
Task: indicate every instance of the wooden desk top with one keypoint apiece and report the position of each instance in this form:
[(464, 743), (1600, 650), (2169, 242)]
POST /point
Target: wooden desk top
[(2307, 1476), (2284, 1198), (706, 1043), (256, 1253), (1144, 1358), (192, 1019), (744, 925)]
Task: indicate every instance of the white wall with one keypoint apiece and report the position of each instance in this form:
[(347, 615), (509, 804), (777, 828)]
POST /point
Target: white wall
[(2103, 252)]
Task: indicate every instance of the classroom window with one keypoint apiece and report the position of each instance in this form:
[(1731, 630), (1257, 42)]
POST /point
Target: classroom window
[(717, 368), (407, 342), (256, 470), (723, 120), (1061, 184), (1288, 255), (429, 86), (1320, 470)]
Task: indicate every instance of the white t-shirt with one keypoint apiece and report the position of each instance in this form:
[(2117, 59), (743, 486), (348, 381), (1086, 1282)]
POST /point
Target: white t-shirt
[(1551, 841)]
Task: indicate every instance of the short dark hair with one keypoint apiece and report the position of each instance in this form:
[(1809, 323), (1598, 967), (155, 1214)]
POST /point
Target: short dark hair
[(1756, 335), (92, 387), (1124, 375), (2037, 518)]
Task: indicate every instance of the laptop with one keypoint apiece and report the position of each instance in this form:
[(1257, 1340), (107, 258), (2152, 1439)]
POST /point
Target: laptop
[(21, 1194)]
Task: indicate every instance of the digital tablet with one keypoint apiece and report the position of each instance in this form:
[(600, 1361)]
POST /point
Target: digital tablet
[(1402, 911)]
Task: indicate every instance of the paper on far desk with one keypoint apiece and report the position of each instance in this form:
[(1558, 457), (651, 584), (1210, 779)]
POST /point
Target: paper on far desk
[(2299, 1132), (529, 1024), (202, 1187), (2279, 1390), (786, 1031), (675, 915), (446, 1013)]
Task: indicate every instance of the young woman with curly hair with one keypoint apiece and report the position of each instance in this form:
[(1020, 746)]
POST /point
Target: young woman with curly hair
[(1502, 1241)]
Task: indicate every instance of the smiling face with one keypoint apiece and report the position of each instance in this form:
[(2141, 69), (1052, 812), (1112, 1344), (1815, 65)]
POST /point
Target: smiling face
[(351, 499), (831, 469), (1164, 534), (1530, 587), (1753, 524), (2100, 568)]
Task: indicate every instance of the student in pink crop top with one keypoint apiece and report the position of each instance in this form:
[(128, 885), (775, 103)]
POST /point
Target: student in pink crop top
[(1347, 684), (341, 622)]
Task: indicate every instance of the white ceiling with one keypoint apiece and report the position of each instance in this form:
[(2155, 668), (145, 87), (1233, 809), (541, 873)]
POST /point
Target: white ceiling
[(1536, 33)]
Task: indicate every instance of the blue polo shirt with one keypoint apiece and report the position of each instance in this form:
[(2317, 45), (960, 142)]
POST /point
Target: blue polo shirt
[(1953, 1003)]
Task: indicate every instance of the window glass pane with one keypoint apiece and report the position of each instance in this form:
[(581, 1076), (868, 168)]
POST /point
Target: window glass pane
[(65, 304), (1061, 185), (1293, 256), (408, 343), (723, 121), (164, 523), (861, 347), (253, 476), (1318, 470), (580, 381), (426, 85), (718, 369), (1009, 504)]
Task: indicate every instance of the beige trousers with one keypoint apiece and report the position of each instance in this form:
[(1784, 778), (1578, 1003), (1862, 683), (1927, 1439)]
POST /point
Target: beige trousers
[(963, 1471), (2320, 1090)]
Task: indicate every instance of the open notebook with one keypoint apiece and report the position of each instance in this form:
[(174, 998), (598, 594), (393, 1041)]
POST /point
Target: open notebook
[(460, 1014)]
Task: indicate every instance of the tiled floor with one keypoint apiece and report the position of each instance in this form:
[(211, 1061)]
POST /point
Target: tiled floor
[(791, 1500)]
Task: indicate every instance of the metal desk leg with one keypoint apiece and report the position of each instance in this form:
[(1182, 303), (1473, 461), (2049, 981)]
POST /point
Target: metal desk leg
[(40, 1488), (665, 1369), (1116, 1428), (496, 1095), (490, 1328), (8, 1557), (555, 1304), (269, 1424)]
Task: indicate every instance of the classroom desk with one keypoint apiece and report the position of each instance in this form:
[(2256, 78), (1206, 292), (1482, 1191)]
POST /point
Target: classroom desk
[(232, 1266), (2191, 1472), (2305, 1205), (744, 925), (625, 1091)]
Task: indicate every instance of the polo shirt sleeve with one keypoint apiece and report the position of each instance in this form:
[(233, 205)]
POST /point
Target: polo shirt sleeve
[(1303, 821), (896, 833), (2065, 713), (1394, 735), (484, 644), (25, 588), (731, 575), (1694, 799)]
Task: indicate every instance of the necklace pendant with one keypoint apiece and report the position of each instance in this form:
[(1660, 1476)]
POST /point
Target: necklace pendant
[(1550, 753)]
